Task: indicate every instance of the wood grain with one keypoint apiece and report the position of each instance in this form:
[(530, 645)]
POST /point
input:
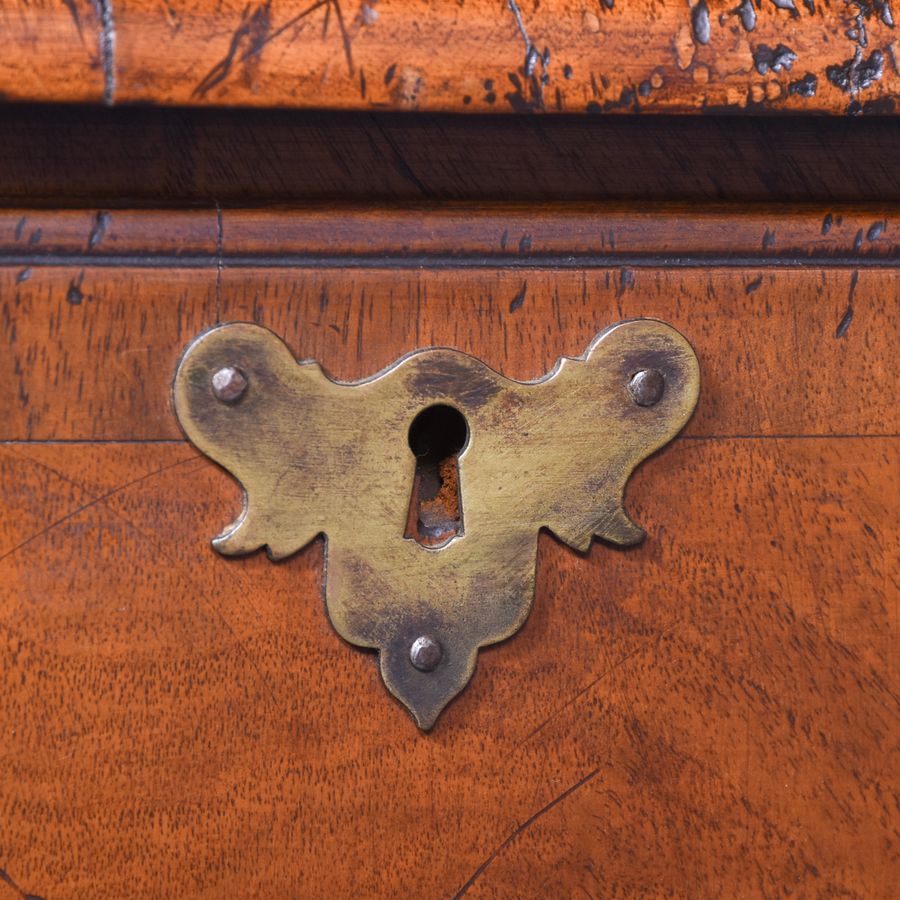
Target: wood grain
[(788, 349), (714, 712), (477, 56), (51, 51)]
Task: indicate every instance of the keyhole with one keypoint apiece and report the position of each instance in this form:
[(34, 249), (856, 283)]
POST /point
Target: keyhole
[(436, 437)]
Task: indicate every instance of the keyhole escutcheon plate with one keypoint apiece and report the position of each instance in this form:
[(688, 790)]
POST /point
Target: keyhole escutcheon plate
[(316, 456)]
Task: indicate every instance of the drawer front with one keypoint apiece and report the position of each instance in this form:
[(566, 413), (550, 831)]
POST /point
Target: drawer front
[(711, 712)]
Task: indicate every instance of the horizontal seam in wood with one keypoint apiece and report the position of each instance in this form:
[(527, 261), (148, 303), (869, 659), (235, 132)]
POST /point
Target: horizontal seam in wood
[(683, 437), (550, 261)]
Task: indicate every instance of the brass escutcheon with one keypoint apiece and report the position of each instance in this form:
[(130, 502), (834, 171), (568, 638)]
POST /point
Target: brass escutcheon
[(429, 569)]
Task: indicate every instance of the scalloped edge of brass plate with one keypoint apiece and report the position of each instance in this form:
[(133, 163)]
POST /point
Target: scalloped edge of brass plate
[(316, 456)]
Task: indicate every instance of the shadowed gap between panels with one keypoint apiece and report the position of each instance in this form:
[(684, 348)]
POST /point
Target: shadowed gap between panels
[(116, 158)]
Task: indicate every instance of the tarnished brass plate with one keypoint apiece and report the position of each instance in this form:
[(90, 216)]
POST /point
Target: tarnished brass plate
[(317, 456)]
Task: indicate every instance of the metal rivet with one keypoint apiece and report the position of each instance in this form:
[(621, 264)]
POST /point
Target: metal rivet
[(229, 384), (425, 653), (647, 387)]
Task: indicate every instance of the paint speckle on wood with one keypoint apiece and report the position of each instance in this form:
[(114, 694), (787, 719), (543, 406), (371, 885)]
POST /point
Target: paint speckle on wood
[(311, 54)]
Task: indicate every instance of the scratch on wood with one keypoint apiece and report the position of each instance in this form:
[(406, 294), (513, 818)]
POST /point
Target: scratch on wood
[(523, 827), (107, 49), (259, 38), (580, 693), (348, 53), (6, 879), (73, 11), (201, 598), (403, 166), (514, 9), (532, 56), (80, 509)]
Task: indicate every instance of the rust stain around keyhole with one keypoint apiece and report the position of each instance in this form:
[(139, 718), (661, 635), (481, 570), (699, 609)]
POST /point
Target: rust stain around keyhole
[(437, 436)]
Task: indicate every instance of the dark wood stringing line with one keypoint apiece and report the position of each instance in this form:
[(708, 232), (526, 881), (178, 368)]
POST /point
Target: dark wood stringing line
[(447, 261), (680, 437)]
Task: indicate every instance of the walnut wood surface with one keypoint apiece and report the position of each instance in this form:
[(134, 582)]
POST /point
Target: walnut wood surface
[(712, 713), (769, 326), (474, 55)]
